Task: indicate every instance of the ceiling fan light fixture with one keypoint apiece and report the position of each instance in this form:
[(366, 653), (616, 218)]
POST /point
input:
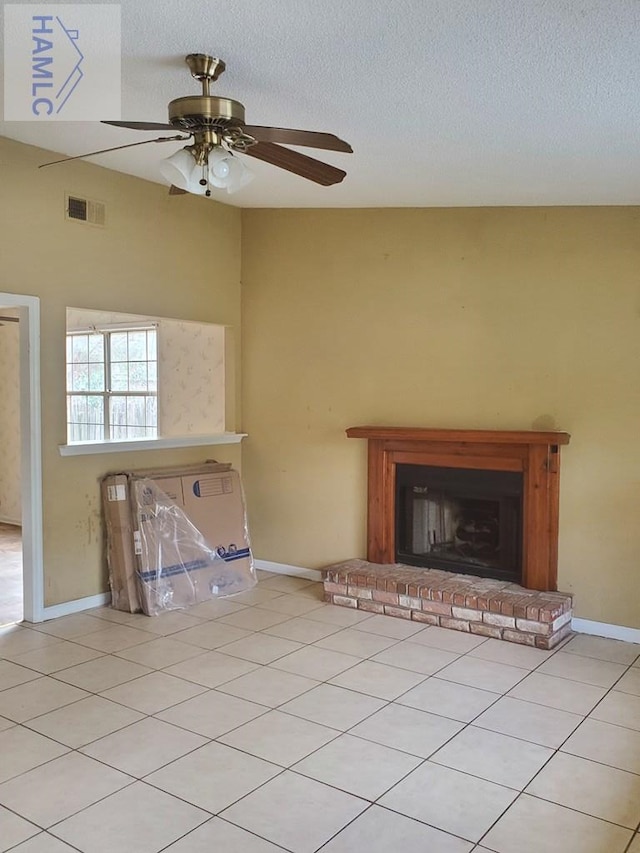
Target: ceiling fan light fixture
[(182, 171), (227, 172)]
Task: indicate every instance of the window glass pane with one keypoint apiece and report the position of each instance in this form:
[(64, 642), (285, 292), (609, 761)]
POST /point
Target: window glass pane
[(119, 376), (96, 347), (69, 377), (137, 375), (118, 342), (69, 348), (95, 410), (80, 348), (96, 377), (80, 377), (152, 374), (118, 416), (151, 345), (137, 346), (152, 411), (136, 411)]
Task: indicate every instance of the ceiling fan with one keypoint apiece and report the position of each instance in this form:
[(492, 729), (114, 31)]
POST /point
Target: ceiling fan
[(218, 131)]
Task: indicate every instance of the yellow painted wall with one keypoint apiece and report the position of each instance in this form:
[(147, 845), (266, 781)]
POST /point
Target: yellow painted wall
[(472, 318), (172, 257)]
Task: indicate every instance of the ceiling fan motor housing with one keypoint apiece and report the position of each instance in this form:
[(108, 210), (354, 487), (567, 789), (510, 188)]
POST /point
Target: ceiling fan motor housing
[(206, 111)]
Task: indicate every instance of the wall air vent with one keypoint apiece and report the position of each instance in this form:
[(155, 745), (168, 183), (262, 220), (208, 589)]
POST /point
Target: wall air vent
[(84, 210)]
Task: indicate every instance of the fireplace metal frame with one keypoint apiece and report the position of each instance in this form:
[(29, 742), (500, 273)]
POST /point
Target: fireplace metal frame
[(535, 454)]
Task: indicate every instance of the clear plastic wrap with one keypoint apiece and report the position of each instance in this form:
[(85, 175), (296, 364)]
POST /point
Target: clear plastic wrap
[(181, 564)]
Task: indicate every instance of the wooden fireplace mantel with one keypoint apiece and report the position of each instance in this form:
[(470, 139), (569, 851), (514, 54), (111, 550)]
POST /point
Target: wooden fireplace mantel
[(535, 454)]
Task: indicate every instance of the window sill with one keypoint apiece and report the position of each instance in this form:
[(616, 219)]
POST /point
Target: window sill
[(87, 448)]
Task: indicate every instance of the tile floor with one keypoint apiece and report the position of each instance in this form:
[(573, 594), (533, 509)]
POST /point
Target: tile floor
[(10, 574), (273, 722)]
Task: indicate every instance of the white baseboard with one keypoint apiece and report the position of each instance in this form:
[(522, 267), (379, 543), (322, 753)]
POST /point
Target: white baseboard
[(603, 629), (284, 569), (68, 607)]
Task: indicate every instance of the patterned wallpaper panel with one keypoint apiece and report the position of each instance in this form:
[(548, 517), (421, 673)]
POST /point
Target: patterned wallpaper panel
[(191, 369), (10, 496)]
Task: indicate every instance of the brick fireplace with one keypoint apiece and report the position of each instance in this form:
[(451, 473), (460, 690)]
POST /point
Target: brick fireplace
[(484, 562)]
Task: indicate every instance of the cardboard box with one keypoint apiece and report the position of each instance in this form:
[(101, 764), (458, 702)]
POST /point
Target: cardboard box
[(187, 538)]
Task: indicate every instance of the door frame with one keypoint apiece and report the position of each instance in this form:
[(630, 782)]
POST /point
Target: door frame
[(30, 453)]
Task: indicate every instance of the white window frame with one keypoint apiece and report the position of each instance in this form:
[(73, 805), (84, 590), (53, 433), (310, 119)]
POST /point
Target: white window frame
[(108, 393)]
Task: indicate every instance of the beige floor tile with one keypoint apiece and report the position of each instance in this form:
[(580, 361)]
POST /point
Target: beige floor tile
[(102, 673), (68, 627), (120, 617), (58, 789), (358, 643), (6, 724), (588, 670), (613, 745), (34, 698), (379, 830), (43, 843), (211, 635), (615, 651), (286, 583), (218, 835), (268, 686), (333, 706), (630, 682), (11, 674), (416, 657), (448, 699), (484, 674), (621, 709), (492, 756), (291, 605), (408, 730), (213, 777), (448, 640), (279, 738), (253, 619), (154, 692), (170, 623), (143, 747), (22, 750), (315, 591), (14, 829), (255, 596), (139, 818), (211, 669), (456, 803), (313, 662), (301, 630), (377, 679), (590, 787), (114, 638), (388, 626), (216, 608), (160, 653), (635, 845), (510, 653), (314, 812), (561, 693), (84, 721), (260, 648), (17, 640), (525, 720), (533, 825), (358, 767), (212, 713), (344, 617), (53, 658)]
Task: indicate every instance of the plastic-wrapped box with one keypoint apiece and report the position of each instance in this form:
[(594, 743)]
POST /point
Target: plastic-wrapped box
[(189, 536)]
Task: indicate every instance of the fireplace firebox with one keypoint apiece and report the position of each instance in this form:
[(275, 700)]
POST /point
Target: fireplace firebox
[(460, 520)]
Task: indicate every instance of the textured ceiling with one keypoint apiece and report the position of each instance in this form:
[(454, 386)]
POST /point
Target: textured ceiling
[(445, 102)]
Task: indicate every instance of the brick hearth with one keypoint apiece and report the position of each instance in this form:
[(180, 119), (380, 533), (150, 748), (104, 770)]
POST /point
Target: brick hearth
[(480, 606)]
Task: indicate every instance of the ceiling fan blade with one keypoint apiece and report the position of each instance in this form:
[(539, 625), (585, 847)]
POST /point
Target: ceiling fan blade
[(117, 148), (299, 164), (174, 190), (289, 136), (141, 125)]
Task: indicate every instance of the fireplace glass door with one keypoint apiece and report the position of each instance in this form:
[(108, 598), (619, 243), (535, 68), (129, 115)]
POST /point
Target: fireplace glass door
[(459, 519)]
